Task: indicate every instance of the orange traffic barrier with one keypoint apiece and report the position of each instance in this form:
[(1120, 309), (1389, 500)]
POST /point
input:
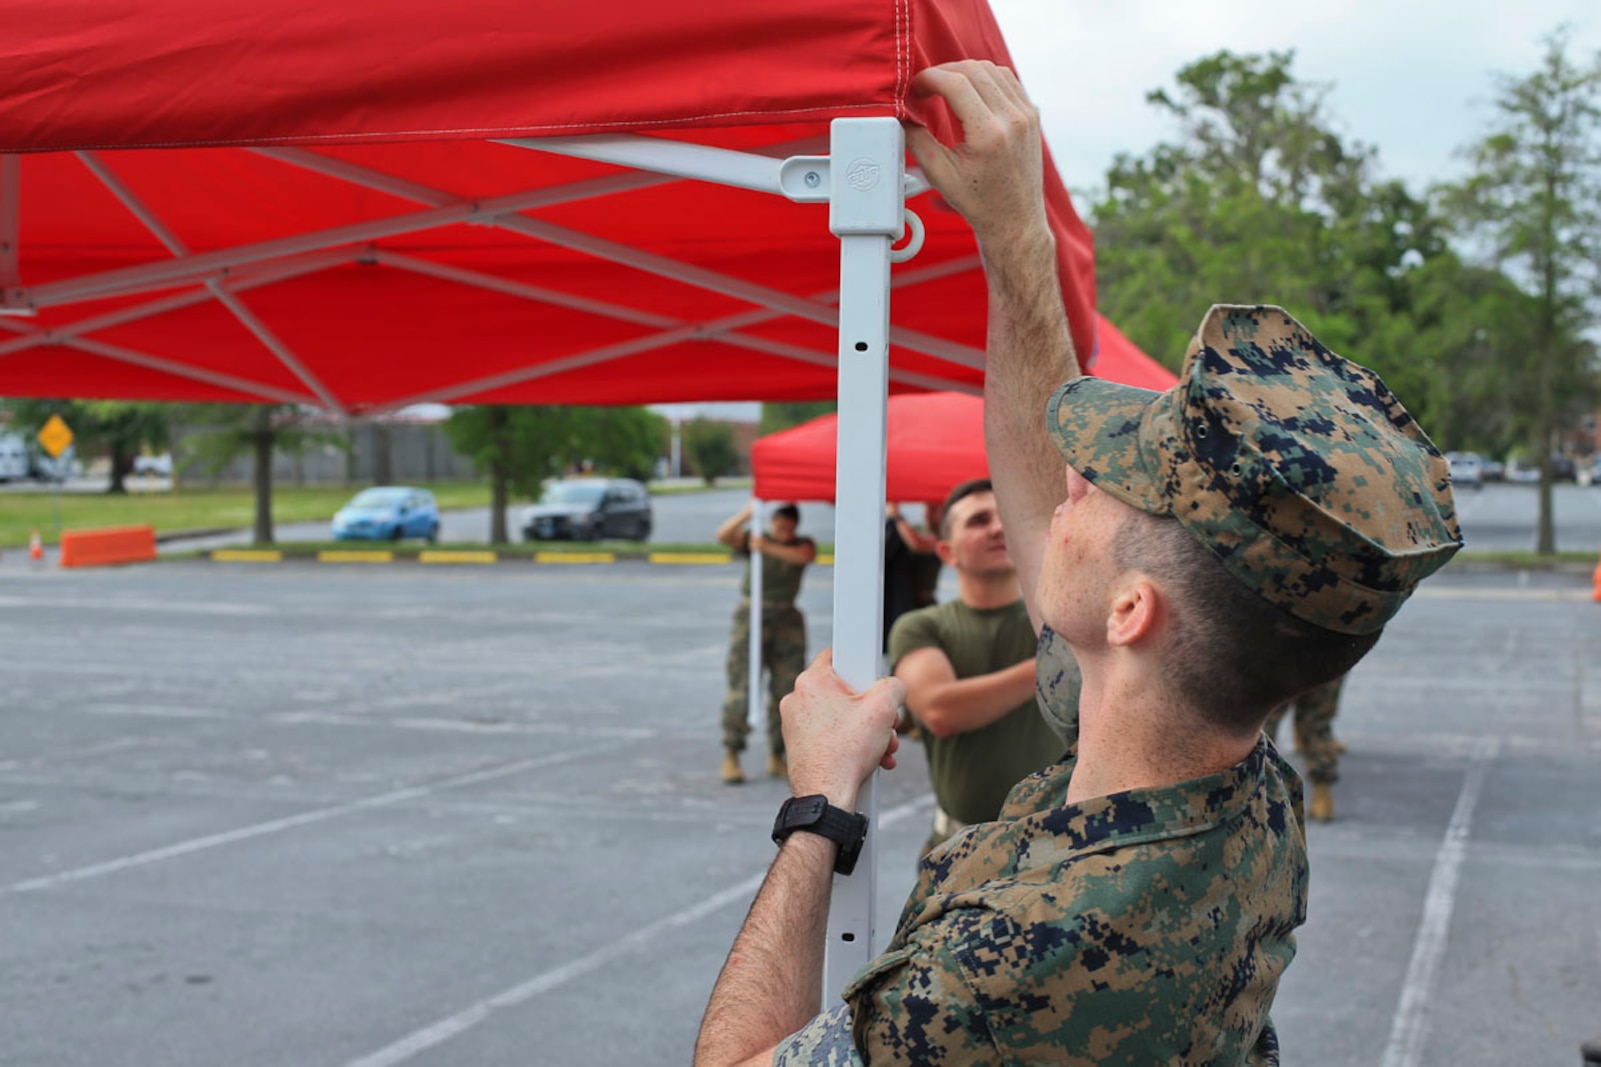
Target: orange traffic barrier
[(1596, 596), (116, 544)]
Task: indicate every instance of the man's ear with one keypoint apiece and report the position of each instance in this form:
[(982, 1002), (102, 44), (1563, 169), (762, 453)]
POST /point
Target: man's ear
[(942, 549), (1134, 614)]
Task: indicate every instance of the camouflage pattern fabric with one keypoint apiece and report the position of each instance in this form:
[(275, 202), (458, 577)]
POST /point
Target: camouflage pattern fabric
[(1147, 927), (1314, 729), (784, 656), (1297, 468), (1057, 684), (825, 1042)]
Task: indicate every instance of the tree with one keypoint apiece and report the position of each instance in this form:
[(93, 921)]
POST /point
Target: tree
[(1260, 200), (711, 448), (261, 430), (522, 446), (117, 428), (781, 416), (1533, 202)]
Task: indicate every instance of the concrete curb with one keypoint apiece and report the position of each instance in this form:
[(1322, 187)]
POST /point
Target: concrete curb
[(449, 557)]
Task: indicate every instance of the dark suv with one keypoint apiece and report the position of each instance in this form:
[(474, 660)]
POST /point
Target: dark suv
[(588, 509)]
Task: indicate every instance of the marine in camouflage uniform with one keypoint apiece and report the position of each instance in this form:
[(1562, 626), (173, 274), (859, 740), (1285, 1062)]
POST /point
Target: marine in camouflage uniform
[(783, 653), (1152, 925), (783, 642), (1314, 712), (1147, 919)]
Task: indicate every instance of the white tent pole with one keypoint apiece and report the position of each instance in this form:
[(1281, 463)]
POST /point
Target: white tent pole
[(720, 330), (236, 307), (753, 693), (182, 370), (866, 212), (279, 271), (744, 170), (701, 278), (187, 268)]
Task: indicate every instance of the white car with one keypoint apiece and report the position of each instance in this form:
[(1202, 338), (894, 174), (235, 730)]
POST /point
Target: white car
[(1467, 468), (154, 466)]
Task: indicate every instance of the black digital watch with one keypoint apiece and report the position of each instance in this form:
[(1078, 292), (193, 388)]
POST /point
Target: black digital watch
[(816, 815)]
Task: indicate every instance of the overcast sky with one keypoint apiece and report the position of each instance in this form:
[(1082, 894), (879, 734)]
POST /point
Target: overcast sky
[(1411, 77)]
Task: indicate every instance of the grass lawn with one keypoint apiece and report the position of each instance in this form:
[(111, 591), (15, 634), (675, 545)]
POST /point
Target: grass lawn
[(1531, 561), (191, 508)]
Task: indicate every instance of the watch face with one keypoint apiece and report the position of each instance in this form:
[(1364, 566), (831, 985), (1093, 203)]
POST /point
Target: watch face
[(807, 809)]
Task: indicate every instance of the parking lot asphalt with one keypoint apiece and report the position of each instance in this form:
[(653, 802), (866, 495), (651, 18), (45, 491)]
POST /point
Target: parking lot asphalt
[(317, 815)]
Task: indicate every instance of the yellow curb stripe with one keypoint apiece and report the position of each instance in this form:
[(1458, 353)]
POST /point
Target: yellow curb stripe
[(458, 557), (355, 557), (246, 555), (690, 557), (824, 559), (575, 557)]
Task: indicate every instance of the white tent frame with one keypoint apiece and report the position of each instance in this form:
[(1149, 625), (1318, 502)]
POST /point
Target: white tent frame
[(863, 180)]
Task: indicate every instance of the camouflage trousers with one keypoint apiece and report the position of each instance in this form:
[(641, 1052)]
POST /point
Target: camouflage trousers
[(1314, 729), (784, 656)]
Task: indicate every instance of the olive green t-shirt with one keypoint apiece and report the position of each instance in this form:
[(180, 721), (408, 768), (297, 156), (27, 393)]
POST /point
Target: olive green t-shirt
[(973, 772), (781, 580)]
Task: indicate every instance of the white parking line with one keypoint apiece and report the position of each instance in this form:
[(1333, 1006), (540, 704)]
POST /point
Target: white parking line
[(101, 605), (438, 1033), (1409, 1029), (273, 826)]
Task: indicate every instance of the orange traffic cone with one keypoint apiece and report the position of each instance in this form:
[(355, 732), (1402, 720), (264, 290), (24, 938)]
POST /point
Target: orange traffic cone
[(35, 547), (1596, 596)]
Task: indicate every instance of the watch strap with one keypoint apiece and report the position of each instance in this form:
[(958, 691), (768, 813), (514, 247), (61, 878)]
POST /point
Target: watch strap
[(816, 815)]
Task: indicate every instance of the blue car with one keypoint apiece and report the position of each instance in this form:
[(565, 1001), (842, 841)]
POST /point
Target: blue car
[(388, 513)]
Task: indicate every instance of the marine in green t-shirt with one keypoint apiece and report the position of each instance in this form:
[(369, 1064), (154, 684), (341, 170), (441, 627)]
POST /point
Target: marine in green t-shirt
[(968, 666)]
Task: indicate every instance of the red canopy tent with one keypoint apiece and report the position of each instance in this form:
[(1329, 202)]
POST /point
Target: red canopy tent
[(300, 202), (363, 205), (933, 442)]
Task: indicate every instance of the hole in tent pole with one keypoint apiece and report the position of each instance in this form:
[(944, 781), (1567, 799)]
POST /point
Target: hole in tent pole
[(861, 346), (847, 936)]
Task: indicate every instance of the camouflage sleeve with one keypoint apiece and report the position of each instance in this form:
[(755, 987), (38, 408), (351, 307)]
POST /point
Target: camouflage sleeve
[(917, 1005), (823, 1042)]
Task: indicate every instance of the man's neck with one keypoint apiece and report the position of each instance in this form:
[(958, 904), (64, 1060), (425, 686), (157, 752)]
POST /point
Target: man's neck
[(985, 591), (1134, 736)]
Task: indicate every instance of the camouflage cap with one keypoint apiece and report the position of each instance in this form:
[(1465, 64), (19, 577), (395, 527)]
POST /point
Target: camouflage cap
[(1299, 469)]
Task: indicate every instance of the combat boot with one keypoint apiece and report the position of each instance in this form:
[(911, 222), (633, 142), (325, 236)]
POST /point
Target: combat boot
[(1321, 809), (732, 775), (777, 766)]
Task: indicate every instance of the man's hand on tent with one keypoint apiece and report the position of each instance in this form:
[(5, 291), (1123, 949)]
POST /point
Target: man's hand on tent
[(835, 736), (995, 175)]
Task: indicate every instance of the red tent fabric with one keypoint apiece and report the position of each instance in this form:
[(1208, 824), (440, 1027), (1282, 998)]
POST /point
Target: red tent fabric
[(298, 202), (933, 441), (1118, 358)]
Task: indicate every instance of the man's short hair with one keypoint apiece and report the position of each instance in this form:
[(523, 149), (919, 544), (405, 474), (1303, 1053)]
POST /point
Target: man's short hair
[(787, 511), (1232, 655), (964, 489)]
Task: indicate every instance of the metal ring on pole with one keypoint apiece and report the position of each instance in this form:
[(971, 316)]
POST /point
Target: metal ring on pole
[(914, 243)]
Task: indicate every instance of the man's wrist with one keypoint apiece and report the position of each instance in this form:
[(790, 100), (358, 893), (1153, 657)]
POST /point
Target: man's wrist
[(840, 796)]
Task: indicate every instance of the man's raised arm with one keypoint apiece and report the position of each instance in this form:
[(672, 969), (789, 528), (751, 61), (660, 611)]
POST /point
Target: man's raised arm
[(995, 178)]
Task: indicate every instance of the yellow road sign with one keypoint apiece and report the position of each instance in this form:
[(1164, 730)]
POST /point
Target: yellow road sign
[(55, 436)]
